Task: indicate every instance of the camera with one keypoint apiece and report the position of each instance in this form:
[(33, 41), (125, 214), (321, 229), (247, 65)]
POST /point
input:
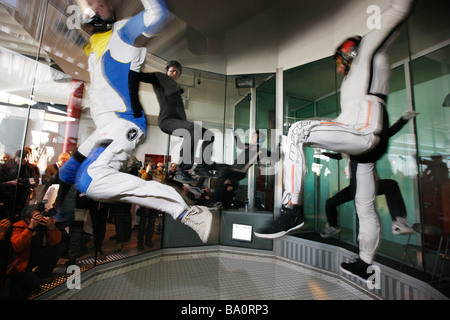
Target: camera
[(26, 184), (49, 213), (40, 206)]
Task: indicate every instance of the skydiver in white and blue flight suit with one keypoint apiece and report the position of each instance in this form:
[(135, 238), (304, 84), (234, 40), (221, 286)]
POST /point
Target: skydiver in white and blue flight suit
[(95, 168)]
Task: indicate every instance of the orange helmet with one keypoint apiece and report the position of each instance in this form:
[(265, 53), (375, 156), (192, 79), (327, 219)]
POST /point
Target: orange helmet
[(348, 51)]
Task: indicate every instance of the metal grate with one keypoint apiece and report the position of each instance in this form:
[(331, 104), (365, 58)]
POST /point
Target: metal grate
[(85, 264)]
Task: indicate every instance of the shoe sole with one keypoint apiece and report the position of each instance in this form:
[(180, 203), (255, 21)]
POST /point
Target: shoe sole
[(327, 235), (201, 175), (208, 222), (399, 232), (278, 234), (355, 275), (214, 208), (184, 181)]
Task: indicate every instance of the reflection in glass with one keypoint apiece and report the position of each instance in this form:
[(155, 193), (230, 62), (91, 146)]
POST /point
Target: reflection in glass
[(431, 78)]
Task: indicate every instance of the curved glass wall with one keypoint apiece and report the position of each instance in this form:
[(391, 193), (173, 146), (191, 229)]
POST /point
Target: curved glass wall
[(46, 112), (416, 156)]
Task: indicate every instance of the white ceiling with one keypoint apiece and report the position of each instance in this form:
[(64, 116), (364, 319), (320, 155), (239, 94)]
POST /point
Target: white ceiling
[(198, 35)]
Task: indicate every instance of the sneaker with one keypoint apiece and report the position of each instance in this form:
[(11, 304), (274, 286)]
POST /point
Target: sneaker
[(329, 231), (203, 173), (183, 177), (101, 255), (199, 219), (119, 247), (399, 226), (215, 205), (289, 220), (357, 268)]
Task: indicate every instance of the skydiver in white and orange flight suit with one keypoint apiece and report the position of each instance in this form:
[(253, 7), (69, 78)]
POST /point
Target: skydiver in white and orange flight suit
[(356, 131)]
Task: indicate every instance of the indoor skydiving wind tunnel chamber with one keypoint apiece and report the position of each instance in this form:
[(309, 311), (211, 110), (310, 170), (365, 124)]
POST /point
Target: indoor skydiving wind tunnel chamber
[(242, 74)]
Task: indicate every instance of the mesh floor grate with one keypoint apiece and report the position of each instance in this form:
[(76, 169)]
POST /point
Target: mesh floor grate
[(60, 277)]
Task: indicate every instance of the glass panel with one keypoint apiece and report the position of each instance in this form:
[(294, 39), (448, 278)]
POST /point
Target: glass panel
[(19, 66), (265, 122), (426, 33), (242, 118), (397, 168), (203, 99), (311, 92), (240, 128), (247, 104), (431, 89)]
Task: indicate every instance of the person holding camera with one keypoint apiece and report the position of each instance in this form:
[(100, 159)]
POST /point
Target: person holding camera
[(34, 242)]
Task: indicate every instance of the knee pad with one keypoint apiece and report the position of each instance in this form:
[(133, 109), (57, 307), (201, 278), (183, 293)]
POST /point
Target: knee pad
[(68, 172), (83, 180)]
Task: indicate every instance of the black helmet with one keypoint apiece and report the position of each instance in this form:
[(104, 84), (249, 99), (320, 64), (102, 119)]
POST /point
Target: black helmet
[(97, 22)]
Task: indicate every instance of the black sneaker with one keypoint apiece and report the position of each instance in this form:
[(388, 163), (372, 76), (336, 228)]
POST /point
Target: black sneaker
[(214, 205), (183, 177), (289, 220), (357, 268)]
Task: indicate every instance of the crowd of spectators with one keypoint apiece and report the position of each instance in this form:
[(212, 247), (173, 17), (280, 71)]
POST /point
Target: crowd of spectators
[(44, 221)]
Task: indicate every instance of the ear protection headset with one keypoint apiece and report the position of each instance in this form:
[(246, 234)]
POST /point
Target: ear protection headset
[(97, 22)]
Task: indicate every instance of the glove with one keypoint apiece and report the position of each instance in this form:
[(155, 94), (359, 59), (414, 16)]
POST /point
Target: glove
[(409, 114)]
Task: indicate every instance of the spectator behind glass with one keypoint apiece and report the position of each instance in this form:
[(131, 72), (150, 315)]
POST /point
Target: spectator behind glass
[(171, 174), (27, 170), (4, 158), (147, 216), (28, 179), (5, 246), (51, 175), (34, 240)]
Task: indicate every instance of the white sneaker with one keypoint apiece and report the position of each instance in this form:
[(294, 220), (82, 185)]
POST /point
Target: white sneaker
[(401, 227), (199, 219), (329, 231)]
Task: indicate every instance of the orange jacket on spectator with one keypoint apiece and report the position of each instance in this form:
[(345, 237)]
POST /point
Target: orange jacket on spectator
[(21, 241)]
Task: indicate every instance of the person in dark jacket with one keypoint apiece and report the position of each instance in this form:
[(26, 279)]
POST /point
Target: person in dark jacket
[(388, 187), (172, 119)]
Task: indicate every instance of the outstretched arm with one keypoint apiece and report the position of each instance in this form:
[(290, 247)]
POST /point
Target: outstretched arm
[(396, 127), (370, 70), (390, 20), (149, 22)]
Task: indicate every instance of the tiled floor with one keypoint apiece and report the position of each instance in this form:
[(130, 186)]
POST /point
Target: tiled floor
[(221, 276)]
